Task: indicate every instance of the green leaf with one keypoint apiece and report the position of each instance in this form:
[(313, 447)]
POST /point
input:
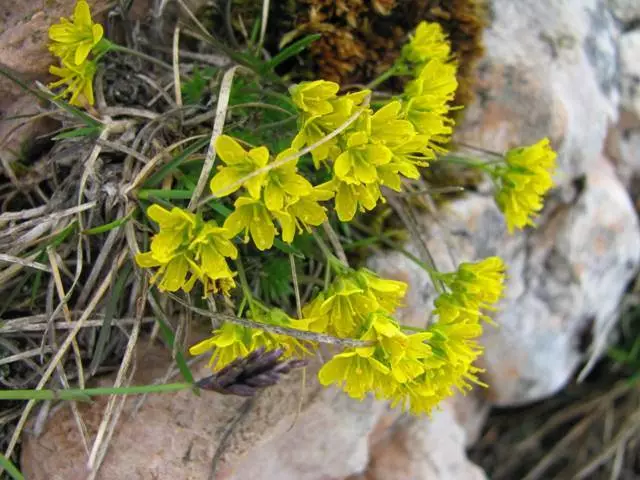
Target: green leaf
[(105, 330), (194, 88), (109, 226), (156, 179), (10, 468), (291, 51), (79, 132), (169, 338)]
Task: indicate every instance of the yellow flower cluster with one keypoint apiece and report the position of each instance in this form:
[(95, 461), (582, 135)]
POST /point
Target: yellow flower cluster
[(278, 194), (72, 41), (232, 341), (523, 181), (415, 371), (381, 146), (188, 249)]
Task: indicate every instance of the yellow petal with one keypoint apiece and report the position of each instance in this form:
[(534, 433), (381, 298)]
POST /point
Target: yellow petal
[(225, 182), (229, 150)]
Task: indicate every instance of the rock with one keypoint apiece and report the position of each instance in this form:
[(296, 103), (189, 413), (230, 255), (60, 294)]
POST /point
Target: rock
[(550, 70), (623, 146), (420, 448), (176, 435), (625, 11), (565, 281), (630, 75)]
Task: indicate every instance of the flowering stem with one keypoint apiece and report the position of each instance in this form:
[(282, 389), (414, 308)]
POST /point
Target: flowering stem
[(484, 166), (394, 70), (334, 262), (244, 284)]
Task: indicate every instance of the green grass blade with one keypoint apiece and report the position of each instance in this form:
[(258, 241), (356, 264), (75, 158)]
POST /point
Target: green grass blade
[(10, 468), (105, 330), (79, 132), (172, 194), (111, 225), (291, 51), (157, 178), (77, 394)]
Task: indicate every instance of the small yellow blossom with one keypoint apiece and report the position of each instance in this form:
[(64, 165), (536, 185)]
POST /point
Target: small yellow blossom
[(72, 41), (284, 185), (78, 80), (252, 217), (239, 164), (355, 373), (436, 81), (187, 249), (350, 197), (232, 341), (523, 182), (357, 163), (428, 42), (303, 213), (313, 97), (228, 343)]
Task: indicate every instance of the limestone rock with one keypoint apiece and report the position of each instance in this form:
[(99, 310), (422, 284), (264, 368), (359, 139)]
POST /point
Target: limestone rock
[(550, 70), (623, 146), (625, 10), (426, 449), (630, 75)]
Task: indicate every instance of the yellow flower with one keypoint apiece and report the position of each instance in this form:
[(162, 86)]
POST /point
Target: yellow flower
[(211, 248), (313, 97), (283, 185), (436, 81), (78, 80), (524, 180), (387, 126), (252, 217), (232, 341), (350, 197), (314, 127), (187, 245), (72, 41), (429, 119), (303, 213), (357, 164), (229, 342), (356, 374), (239, 164), (387, 293), (429, 41), (291, 345)]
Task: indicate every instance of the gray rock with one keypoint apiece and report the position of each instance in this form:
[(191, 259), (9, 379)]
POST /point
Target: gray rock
[(626, 11), (630, 75), (551, 70)]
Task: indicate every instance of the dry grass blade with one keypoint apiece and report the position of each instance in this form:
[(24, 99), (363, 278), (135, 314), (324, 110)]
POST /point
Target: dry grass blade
[(218, 126), (24, 262)]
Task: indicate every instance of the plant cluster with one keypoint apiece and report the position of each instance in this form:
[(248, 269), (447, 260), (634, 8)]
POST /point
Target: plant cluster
[(351, 151)]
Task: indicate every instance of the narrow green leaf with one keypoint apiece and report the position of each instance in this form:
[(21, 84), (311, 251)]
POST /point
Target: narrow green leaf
[(79, 132), (105, 330), (77, 394), (10, 468), (292, 50), (109, 226), (169, 338), (148, 193), (157, 178)]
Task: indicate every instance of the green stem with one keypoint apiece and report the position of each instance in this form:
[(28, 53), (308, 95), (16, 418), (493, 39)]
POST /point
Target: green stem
[(412, 329), (394, 70), (87, 393), (333, 261), (244, 284), (486, 167)]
